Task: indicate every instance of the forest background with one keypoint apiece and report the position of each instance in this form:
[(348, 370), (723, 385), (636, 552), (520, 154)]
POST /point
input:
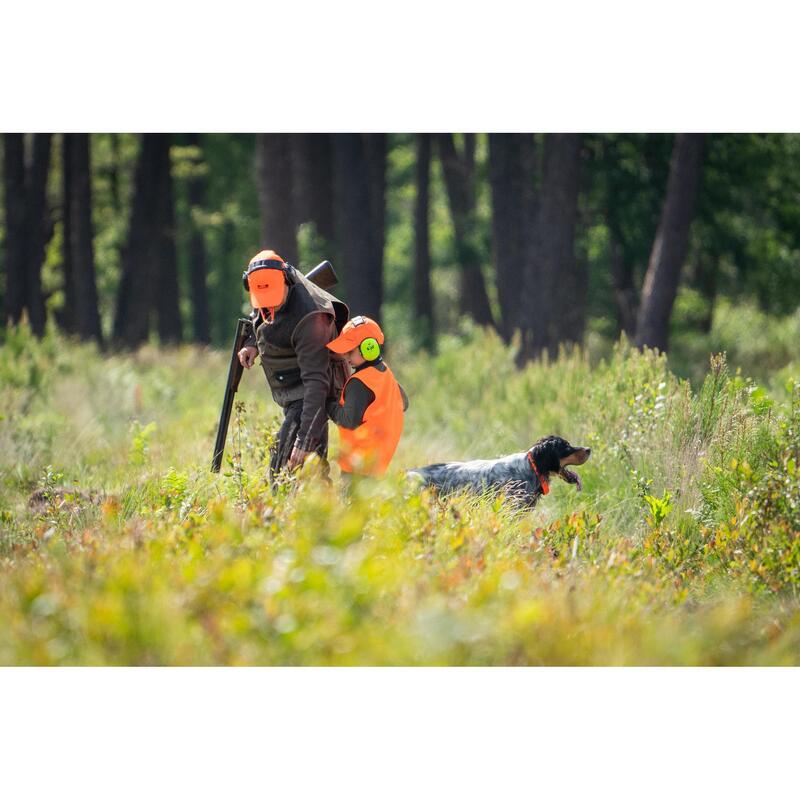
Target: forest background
[(686, 242)]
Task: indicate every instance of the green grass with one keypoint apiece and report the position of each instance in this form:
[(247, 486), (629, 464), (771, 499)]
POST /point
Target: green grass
[(119, 547)]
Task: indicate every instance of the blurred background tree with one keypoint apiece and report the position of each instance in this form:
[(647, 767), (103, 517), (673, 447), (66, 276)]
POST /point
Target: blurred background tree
[(553, 238)]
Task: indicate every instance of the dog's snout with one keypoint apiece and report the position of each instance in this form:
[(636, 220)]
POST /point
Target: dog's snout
[(588, 451)]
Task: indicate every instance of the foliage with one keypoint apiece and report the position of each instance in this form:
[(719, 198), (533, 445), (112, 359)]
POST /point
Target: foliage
[(761, 541), (119, 547)]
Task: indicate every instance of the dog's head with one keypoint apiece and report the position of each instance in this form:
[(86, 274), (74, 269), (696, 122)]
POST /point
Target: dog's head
[(553, 454)]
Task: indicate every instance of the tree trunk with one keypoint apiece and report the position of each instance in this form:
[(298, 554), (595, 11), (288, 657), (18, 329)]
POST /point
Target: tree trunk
[(624, 289), (511, 175), (375, 149), (198, 256), (16, 220), (274, 170), (84, 314), (423, 297), (67, 318), (168, 299), (39, 227), (113, 172), (458, 179), (137, 287), (28, 226), (705, 278), (669, 246), (553, 288), (359, 236), (312, 168)]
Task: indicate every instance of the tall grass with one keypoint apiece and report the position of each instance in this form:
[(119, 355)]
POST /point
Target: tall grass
[(119, 547)]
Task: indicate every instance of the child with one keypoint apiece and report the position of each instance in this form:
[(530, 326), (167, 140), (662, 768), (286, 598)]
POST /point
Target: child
[(369, 412)]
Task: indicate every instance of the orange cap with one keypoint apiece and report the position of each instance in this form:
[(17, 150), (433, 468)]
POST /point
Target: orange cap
[(265, 279), (354, 332)]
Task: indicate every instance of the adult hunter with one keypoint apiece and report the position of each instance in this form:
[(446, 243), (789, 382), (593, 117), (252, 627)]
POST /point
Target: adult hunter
[(293, 321)]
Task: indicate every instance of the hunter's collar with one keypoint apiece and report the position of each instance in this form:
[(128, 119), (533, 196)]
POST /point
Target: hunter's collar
[(543, 482)]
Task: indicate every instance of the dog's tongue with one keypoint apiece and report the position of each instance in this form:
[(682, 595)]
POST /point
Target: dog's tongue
[(571, 477)]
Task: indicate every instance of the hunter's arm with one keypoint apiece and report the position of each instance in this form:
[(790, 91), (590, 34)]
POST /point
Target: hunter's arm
[(310, 338)]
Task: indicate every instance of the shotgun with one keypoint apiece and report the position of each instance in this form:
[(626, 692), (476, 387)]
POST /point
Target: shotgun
[(323, 276)]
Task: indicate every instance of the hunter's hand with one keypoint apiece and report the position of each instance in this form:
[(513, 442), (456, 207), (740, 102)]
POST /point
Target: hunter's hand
[(247, 356), (297, 458)]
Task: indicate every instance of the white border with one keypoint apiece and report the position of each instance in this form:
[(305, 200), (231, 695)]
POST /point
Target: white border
[(620, 65), (398, 733)]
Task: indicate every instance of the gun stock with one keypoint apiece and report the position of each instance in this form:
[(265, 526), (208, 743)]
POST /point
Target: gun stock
[(323, 275)]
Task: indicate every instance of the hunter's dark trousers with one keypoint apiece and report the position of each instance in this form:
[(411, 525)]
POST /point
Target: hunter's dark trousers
[(287, 436)]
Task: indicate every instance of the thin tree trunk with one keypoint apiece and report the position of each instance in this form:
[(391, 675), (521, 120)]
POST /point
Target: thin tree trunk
[(551, 278), (80, 245), (423, 297), (38, 227), (168, 299), (572, 276), (705, 278), (672, 237), (198, 256), (375, 145), (358, 234), (458, 178), (28, 226), (113, 172), (137, 287), (624, 289), (68, 316), (312, 168), (511, 176), (274, 170), (16, 222)]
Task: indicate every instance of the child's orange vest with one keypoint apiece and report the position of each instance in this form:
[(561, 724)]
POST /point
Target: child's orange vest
[(368, 449)]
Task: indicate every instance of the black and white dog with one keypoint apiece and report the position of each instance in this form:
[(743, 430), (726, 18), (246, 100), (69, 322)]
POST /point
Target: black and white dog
[(524, 477)]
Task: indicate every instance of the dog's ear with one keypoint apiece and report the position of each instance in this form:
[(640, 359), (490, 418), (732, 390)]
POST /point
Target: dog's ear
[(545, 454)]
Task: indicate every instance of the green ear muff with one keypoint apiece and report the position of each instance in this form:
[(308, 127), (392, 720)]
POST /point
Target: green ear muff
[(370, 349)]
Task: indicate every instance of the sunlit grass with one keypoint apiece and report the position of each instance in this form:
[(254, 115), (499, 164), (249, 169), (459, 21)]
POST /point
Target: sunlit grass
[(118, 546)]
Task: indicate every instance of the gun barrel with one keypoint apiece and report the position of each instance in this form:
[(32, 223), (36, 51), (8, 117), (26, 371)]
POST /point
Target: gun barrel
[(235, 369)]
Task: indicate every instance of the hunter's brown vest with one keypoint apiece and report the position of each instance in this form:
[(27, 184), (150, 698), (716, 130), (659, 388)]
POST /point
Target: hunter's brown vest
[(276, 341)]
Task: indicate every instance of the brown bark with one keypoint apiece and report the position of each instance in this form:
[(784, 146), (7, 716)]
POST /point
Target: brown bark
[(622, 279), (28, 225), (553, 296), (458, 178), (79, 234), (672, 237), (375, 145), (167, 299), (705, 278), (67, 316), (137, 287), (423, 296), (113, 172), (312, 167), (512, 180), (198, 256), (274, 170), (39, 227), (359, 235), (16, 220)]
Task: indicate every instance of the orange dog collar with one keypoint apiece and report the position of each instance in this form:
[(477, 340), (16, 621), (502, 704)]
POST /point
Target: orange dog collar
[(542, 482)]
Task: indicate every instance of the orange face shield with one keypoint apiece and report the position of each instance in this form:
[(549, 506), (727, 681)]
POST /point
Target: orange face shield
[(266, 285), (265, 280)]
